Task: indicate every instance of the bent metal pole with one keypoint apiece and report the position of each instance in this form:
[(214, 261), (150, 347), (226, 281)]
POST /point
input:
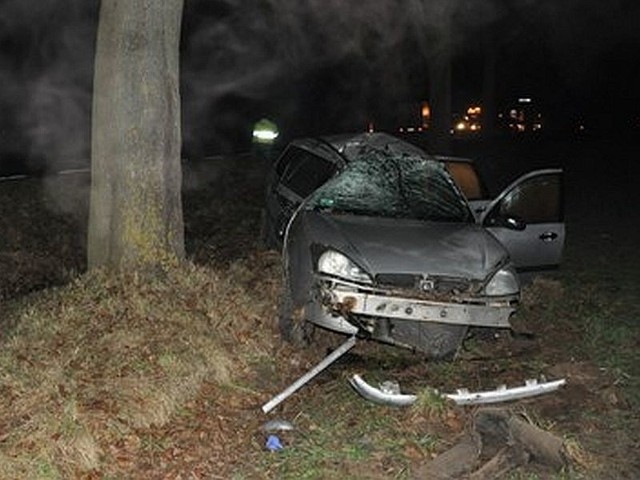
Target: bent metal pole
[(328, 360)]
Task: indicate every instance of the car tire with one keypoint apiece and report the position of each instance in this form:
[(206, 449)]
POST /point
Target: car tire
[(439, 341), (294, 329)]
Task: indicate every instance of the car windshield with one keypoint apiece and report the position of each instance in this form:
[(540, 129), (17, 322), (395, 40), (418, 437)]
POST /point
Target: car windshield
[(382, 183)]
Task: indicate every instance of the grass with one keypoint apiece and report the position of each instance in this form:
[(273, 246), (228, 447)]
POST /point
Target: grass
[(91, 363), (118, 377), (355, 435), (597, 325)]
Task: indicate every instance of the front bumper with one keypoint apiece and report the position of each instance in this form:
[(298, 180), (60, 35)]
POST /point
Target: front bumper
[(349, 307), (531, 388)]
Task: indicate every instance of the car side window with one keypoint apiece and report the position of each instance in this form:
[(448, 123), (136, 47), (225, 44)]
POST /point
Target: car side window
[(467, 180), (307, 173), (288, 159), (537, 200)]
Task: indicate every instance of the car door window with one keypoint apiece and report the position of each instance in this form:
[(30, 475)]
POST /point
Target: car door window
[(537, 200), (289, 158)]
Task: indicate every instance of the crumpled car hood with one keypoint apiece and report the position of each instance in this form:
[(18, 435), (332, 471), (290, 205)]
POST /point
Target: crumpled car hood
[(389, 245)]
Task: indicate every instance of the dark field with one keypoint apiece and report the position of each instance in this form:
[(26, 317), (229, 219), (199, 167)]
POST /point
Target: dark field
[(585, 319)]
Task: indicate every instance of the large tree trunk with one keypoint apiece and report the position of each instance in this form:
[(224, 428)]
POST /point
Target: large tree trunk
[(136, 210)]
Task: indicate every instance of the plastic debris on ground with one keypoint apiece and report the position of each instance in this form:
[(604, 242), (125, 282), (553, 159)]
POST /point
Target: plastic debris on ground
[(277, 425), (273, 443)]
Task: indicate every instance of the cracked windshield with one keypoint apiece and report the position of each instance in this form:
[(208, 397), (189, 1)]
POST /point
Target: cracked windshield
[(384, 184)]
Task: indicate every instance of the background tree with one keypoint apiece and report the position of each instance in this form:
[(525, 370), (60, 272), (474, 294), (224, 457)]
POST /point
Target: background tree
[(489, 70), (135, 218), (432, 23)]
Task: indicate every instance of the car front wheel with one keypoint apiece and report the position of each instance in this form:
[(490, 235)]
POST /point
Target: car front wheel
[(293, 327)]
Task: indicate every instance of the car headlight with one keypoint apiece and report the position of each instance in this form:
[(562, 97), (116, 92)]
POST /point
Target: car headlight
[(504, 282), (336, 264)]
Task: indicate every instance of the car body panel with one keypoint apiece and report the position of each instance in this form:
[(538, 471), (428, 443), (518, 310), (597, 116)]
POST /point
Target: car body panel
[(387, 245)]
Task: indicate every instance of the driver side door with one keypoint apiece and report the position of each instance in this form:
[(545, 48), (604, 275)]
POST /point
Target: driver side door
[(528, 219)]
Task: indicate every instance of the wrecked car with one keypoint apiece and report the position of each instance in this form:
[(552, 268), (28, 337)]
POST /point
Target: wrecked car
[(378, 241)]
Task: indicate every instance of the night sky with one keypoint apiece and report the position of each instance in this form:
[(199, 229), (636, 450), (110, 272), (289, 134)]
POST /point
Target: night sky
[(323, 66)]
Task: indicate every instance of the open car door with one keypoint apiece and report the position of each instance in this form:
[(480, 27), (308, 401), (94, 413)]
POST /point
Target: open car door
[(528, 219)]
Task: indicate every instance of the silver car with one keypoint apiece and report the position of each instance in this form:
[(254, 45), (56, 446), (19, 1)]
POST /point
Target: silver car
[(378, 241)]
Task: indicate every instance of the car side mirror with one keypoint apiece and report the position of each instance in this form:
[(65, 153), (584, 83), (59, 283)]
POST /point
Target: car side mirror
[(511, 222)]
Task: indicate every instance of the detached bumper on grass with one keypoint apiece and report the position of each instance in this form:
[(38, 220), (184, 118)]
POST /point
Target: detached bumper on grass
[(531, 388)]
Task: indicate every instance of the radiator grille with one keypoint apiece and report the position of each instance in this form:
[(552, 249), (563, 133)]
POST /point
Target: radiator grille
[(423, 284)]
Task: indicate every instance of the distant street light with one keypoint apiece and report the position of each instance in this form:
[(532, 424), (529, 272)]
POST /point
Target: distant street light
[(265, 132)]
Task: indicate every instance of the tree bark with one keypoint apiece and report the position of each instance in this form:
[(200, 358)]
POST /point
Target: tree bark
[(440, 78), (135, 218), (490, 60)]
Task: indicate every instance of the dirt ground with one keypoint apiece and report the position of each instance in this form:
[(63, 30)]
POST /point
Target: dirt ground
[(219, 434)]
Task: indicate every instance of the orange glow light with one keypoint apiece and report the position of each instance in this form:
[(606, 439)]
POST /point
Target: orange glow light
[(474, 110)]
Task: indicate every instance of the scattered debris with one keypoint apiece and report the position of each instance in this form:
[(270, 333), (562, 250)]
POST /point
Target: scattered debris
[(382, 397), (273, 443), (277, 426), (392, 396), (295, 386), (531, 388), (497, 442)]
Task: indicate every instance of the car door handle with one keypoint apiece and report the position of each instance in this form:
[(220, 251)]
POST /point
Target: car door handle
[(548, 236)]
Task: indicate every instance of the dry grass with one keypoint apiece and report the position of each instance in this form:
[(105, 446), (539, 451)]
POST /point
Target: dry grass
[(90, 363), (89, 367)]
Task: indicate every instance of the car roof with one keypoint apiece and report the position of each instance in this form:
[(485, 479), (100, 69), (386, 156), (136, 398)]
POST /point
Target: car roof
[(348, 145)]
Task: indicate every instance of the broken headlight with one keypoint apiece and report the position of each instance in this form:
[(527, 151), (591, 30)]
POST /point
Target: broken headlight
[(504, 282), (336, 264)]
